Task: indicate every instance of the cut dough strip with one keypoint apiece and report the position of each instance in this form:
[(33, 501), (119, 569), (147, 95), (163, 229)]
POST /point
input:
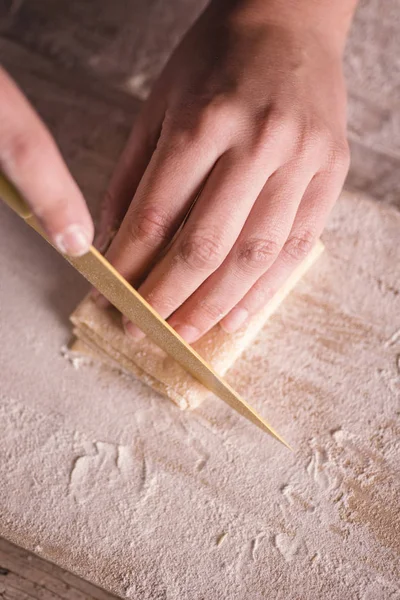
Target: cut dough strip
[(99, 334)]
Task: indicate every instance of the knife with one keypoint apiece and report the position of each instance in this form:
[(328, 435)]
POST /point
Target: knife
[(102, 275)]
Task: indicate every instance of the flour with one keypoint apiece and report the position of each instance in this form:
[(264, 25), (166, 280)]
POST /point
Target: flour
[(105, 477), (76, 360)]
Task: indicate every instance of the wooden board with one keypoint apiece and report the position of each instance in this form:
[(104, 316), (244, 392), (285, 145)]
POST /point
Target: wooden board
[(25, 576), (95, 461)]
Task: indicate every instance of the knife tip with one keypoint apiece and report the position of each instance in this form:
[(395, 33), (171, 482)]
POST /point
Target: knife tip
[(282, 441)]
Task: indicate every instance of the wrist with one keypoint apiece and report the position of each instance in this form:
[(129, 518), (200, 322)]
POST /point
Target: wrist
[(326, 19)]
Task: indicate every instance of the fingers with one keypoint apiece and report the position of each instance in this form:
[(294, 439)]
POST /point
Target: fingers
[(30, 158), (255, 250), (314, 209), (131, 166), (209, 234), (176, 172)]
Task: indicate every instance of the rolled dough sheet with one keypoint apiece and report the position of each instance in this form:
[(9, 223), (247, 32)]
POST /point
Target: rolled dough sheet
[(99, 334)]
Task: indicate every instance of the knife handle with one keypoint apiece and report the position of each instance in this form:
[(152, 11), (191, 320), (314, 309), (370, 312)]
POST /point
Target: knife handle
[(13, 198)]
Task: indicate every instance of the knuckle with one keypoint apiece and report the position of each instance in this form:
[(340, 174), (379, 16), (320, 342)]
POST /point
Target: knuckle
[(217, 122), (289, 133), (149, 225), (312, 143), (200, 125), (20, 150), (161, 299), (275, 130), (208, 118), (339, 156), (49, 210), (312, 137), (271, 127), (283, 124), (297, 247), (258, 253), (202, 252), (311, 140), (212, 312), (180, 138)]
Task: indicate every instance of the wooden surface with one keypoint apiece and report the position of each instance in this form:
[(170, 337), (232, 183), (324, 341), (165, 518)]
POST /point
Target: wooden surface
[(26, 576), (85, 67), (109, 480)]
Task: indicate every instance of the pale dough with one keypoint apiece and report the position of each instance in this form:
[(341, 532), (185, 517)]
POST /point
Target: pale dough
[(99, 333)]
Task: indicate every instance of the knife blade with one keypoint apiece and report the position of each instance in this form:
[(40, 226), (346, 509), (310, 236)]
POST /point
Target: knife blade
[(104, 277)]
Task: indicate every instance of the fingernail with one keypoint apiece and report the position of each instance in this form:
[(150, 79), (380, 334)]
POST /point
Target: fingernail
[(73, 241), (190, 334), (234, 320), (100, 242), (103, 240), (132, 330)]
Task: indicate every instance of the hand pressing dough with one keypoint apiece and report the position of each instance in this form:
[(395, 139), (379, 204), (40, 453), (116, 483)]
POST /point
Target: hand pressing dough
[(99, 334)]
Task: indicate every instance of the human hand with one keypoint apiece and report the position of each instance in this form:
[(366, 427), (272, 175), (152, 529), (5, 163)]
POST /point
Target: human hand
[(249, 119), (31, 160)]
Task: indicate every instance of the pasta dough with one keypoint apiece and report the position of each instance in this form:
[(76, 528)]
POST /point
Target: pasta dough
[(99, 334)]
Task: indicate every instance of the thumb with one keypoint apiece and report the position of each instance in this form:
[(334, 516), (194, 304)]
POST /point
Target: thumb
[(31, 160)]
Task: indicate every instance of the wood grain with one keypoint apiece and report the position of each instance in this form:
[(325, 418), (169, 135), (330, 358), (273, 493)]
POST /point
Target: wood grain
[(26, 576)]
